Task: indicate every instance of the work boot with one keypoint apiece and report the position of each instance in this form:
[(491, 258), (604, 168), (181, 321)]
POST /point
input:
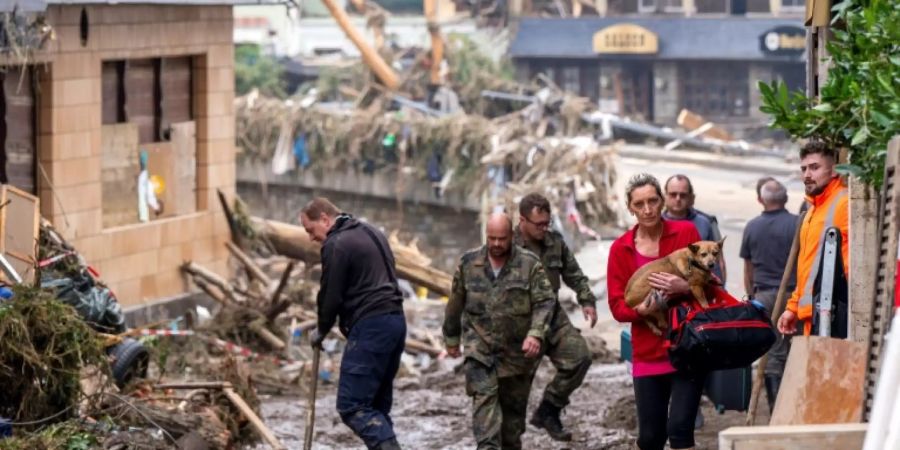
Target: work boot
[(547, 417), (390, 444)]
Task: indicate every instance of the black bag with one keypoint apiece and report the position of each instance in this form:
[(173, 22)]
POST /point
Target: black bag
[(726, 335), (729, 390)]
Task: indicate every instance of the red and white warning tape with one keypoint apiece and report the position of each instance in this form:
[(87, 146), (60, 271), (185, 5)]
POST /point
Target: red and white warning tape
[(146, 332)]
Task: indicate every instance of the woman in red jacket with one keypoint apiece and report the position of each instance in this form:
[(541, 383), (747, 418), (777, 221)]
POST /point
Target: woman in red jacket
[(656, 382)]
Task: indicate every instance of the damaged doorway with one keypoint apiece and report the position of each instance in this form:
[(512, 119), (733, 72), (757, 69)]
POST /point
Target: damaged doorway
[(18, 164), (633, 87)]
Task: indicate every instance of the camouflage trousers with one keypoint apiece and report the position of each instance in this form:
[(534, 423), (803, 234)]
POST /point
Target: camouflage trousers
[(568, 351), (498, 406)]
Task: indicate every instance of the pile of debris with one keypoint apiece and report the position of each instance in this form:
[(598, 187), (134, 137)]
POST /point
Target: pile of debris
[(541, 147), (76, 378)]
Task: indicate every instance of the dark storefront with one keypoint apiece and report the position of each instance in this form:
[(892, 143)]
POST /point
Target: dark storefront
[(651, 68)]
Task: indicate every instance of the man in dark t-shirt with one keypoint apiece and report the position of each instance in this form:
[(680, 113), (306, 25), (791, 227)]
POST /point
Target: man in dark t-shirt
[(765, 249)]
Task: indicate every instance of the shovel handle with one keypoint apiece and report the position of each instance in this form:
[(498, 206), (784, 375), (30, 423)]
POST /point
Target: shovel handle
[(311, 410)]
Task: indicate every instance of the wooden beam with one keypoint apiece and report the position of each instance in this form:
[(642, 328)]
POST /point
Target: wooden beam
[(437, 42), (293, 242), (276, 307), (794, 437), (255, 421), (252, 268), (372, 59)]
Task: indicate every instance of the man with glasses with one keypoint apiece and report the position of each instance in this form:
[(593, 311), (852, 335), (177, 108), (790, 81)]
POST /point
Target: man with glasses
[(680, 206), (565, 346)]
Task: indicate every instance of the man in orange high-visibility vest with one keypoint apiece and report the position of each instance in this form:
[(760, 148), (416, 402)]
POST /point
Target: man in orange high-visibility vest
[(828, 200)]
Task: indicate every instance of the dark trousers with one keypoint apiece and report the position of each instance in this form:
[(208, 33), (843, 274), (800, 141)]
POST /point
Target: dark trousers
[(568, 351), (778, 353), (667, 407), (366, 387)]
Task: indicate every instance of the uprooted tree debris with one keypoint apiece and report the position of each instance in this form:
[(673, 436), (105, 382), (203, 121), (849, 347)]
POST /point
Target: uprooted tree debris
[(70, 384)]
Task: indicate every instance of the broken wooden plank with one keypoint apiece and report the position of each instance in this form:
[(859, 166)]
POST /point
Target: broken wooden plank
[(252, 268), (794, 437), (255, 421), (293, 242), (20, 220), (213, 292), (692, 121), (260, 329), (210, 277), (276, 307), (812, 391)]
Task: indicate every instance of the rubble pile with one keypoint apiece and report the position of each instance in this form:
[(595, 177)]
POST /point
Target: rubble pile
[(44, 345)]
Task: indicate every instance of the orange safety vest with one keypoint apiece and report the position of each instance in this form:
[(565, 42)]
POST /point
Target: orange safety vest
[(828, 209)]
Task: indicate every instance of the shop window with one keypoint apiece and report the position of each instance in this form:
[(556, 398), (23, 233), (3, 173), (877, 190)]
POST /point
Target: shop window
[(712, 6), (715, 89), (550, 73), (793, 5), (618, 7), (758, 6), (647, 6), (672, 5), (571, 81), (17, 128), (591, 85)]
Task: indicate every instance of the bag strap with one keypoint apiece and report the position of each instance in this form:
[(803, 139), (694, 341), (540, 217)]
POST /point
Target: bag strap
[(384, 258)]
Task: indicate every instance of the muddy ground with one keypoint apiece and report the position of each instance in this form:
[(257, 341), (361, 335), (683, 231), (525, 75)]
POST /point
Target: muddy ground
[(433, 412)]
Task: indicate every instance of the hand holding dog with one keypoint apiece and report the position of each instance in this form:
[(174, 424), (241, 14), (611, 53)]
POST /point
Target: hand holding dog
[(654, 302), (669, 284)]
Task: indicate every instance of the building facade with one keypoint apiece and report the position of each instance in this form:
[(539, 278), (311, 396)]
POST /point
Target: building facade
[(650, 67), (119, 89)]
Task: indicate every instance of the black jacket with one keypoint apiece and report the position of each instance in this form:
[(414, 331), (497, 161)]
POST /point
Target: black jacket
[(356, 282)]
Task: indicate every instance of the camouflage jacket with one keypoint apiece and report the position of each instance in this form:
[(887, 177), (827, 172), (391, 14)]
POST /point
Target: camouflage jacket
[(559, 262), (493, 316)]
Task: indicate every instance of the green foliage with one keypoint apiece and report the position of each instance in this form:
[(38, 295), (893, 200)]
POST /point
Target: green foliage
[(469, 64), (69, 435), (859, 105), (252, 69)]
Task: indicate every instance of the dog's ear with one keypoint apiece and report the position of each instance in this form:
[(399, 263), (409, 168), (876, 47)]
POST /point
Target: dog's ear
[(722, 242), (694, 248)]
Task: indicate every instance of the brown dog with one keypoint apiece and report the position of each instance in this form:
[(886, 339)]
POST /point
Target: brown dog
[(694, 263)]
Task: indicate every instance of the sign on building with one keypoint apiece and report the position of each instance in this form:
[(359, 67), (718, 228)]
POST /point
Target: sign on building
[(783, 40), (626, 38)]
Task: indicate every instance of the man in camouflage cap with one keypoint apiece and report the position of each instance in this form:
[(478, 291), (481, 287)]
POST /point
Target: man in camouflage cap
[(499, 307), (565, 346)]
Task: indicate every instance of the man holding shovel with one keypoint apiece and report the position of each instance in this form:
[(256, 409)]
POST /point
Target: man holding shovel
[(359, 290)]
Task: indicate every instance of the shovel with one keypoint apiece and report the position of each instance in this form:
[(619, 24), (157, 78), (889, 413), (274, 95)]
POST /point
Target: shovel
[(311, 413)]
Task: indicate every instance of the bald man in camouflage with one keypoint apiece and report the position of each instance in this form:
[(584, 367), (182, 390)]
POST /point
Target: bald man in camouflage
[(499, 310)]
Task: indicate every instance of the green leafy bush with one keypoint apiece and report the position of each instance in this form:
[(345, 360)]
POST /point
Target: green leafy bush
[(859, 104)]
